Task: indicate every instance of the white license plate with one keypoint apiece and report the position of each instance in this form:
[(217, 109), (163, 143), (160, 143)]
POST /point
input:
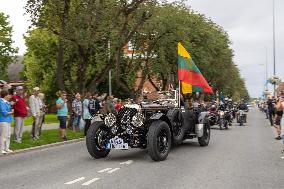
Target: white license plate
[(117, 143)]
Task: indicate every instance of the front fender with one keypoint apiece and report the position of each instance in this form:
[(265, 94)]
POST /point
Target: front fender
[(156, 116), (160, 116)]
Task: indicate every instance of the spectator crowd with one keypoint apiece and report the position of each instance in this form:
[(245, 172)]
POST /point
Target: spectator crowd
[(18, 106), (273, 108)]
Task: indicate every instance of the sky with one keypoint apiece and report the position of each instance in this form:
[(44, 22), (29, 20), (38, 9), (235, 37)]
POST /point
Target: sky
[(248, 23)]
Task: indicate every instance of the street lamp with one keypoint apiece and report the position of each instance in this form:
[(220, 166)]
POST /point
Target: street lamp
[(274, 67), (109, 72), (265, 78)]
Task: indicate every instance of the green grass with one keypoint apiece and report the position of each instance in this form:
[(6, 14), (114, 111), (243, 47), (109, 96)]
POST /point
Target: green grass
[(47, 137), (49, 118)]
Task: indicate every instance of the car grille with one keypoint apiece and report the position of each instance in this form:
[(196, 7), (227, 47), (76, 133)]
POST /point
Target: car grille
[(125, 115)]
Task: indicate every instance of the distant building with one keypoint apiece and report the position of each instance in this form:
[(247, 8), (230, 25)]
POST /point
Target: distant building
[(147, 86), (14, 72)]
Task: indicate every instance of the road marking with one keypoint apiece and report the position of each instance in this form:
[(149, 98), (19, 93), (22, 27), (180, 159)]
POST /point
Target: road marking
[(127, 162), (90, 181), (104, 170), (74, 181), (111, 171)]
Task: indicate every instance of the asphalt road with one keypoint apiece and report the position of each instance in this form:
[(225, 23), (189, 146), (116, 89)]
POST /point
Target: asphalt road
[(242, 157)]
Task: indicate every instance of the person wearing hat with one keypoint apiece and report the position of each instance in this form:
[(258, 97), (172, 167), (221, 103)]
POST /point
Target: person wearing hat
[(36, 107), (20, 113)]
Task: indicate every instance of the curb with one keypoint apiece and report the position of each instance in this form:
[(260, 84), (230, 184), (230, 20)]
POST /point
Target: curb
[(43, 147)]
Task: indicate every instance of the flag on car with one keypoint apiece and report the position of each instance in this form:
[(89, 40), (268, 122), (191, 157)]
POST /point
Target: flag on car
[(189, 75)]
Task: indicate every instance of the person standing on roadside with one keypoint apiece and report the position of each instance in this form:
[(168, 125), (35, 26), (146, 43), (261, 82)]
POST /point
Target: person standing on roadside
[(92, 106), (270, 110), (118, 105), (20, 113), (5, 122), (77, 112), (36, 111), (279, 114), (62, 112), (110, 106), (43, 110), (97, 103), (87, 107)]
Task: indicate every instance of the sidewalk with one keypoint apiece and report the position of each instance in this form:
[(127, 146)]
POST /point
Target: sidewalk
[(50, 126)]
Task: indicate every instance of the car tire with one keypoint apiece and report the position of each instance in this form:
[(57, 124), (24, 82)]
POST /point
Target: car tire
[(178, 127), (204, 140), (94, 148), (159, 140)]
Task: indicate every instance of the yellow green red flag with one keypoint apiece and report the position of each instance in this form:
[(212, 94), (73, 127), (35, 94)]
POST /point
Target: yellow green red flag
[(189, 75)]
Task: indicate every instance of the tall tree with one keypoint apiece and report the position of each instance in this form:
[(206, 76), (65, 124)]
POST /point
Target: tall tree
[(91, 38), (6, 50)]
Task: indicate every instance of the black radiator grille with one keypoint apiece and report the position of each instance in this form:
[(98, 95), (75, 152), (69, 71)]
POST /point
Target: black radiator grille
[(125, 114)]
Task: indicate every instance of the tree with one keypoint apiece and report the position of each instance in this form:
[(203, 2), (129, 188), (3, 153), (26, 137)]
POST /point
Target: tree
[(82, 31), (40, 62), (6, 50)]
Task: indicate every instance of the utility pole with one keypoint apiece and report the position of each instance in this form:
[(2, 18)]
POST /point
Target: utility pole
[(109, 72), (266, 68), (274, 67)]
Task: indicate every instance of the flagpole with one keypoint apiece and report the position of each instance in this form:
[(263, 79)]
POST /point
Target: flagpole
[(178, 94)]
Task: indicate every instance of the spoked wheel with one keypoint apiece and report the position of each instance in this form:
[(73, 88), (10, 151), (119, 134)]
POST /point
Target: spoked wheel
[(162, 141), (204, 140), (96, 140), (178, 128), (159, 140)]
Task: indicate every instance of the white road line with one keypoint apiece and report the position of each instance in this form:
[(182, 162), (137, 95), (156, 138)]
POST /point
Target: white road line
[(127, 162), (111, 171), (74, 181), (90, 181), (104, 170)]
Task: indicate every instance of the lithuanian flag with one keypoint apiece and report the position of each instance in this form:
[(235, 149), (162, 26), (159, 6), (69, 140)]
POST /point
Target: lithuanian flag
[(188, 73)]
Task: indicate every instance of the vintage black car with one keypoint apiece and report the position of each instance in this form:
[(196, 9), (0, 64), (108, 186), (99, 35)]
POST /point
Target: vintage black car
[(153, 126)]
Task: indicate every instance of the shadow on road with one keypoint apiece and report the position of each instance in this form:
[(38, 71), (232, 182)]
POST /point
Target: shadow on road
[(121, 155)]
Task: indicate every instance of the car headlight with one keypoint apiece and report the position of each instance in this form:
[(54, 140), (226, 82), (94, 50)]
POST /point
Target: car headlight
[(110, 120), (137, 120)]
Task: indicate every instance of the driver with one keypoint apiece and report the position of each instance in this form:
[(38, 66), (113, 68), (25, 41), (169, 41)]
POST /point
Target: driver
[(243, 106)]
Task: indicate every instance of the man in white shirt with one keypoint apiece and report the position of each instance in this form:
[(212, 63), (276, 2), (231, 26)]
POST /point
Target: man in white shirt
[(36, 106)]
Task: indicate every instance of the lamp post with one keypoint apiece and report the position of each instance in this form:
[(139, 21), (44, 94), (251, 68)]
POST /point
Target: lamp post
[(266, 68), (274, 67), (264, 78), (109, 72)]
